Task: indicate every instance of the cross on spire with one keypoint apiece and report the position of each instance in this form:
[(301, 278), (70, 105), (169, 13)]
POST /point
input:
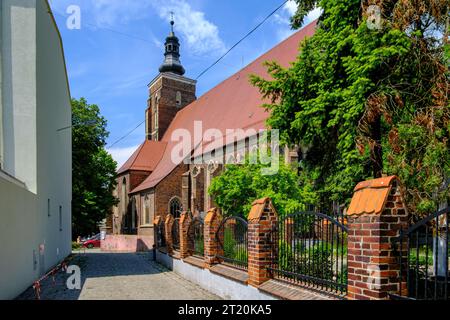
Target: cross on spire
[(172, 22)]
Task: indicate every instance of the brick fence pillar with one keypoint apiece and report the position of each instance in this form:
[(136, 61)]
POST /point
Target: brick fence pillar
[(212, 223), (376, 215), (262, 220), (156, 223), (185, 222), (168, 229)]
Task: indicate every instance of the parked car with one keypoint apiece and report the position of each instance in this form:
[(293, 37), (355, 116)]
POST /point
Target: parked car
[(93, 242)]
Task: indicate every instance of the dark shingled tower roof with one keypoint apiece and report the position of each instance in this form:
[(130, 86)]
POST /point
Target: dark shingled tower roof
[(172, 61)]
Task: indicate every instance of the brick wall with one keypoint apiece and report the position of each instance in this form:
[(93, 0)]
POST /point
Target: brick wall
[(124, 243), (212, 223), (133, 180), (261, 222), (185, 221), (166, 88), (137, 177), (168, 229), (376, 216), (168, 188)]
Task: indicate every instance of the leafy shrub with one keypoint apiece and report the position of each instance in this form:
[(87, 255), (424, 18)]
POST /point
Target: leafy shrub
[(285, 256), (321, 264), (199, 246), (315, 261), (241, 255), (229, 244), (423, 259), (231, 248), (76, 246)]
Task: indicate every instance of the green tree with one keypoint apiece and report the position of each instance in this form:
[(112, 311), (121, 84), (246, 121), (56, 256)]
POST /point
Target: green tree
[(239, 186), (93, 169), (364, 101)]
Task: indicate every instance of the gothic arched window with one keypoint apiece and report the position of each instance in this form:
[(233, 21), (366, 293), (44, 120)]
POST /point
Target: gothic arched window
[(133, 213), (146, 210), (231, 159), (123, 196), (175, 207)]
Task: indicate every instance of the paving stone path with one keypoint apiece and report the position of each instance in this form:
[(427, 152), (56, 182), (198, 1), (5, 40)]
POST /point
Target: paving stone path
[(117, 276)]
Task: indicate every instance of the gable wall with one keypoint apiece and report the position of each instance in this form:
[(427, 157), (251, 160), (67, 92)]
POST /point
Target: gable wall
[(168, 188)]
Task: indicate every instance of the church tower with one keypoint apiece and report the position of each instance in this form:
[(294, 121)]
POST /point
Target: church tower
[(169, 92)]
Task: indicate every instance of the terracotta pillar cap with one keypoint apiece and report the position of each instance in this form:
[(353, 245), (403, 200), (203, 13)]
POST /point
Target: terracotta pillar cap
[(370, 196)]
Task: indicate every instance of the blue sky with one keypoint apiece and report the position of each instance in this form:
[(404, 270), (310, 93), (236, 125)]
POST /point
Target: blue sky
[(119, 48)]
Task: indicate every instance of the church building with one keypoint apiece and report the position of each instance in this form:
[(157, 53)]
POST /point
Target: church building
[(155, 183)]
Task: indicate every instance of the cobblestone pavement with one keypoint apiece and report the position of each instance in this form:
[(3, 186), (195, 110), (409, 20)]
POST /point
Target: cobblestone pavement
[(117, 276)]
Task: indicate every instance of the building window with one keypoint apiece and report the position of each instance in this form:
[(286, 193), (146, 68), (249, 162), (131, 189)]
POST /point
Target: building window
[(146, 210), (196, 170), (60, 218), (240, 158), (124, 196), (213, 166), (175, 207), (156, 124), (178, 98), (116, 206), (133, 213), (231, 160)]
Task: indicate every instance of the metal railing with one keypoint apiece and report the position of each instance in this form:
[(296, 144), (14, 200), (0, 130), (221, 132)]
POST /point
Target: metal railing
[(196, 240), (310, 249), (176, 234), (161, 233), (233, 242), (423, 253)]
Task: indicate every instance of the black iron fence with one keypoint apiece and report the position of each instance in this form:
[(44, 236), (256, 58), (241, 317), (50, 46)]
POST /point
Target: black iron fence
[(161, 234), (176, 234), (233, 242), (196, 241), (423, 253), (310, 248)]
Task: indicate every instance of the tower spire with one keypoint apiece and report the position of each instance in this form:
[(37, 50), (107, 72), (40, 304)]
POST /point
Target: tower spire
[(172, 61)]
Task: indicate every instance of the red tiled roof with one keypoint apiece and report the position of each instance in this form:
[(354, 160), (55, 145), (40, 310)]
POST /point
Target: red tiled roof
[(233, 104), (145, 158)]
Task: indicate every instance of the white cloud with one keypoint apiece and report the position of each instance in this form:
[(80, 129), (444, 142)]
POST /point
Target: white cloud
[(112, 12), (313, 15), (121, 155), (290, 7), (283, 19), (202, 36)]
